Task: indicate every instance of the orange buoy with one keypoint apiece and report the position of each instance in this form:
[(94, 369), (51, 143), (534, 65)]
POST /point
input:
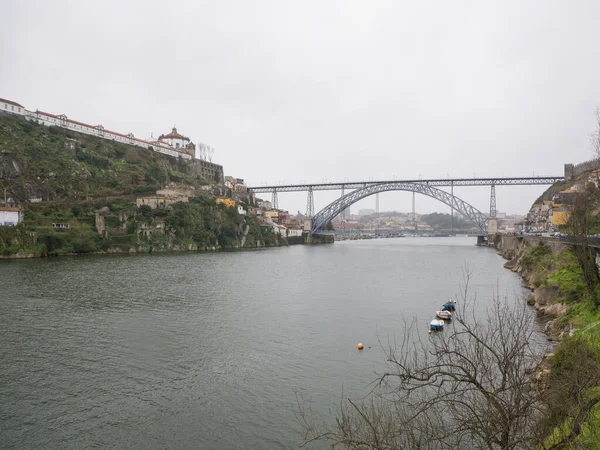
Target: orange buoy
[(360, 346)]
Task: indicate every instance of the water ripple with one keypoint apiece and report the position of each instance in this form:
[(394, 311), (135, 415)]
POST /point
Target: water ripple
[(208, 350)]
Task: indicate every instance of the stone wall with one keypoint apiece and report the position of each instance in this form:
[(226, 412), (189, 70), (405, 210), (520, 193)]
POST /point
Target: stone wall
[(573, 171), (510, 246), (319, 239)]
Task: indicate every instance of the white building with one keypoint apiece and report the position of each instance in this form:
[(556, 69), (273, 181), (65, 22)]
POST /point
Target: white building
[(173, 144), (63, 121), (294, 232), (11, 107), (10, 216), (175, 140)]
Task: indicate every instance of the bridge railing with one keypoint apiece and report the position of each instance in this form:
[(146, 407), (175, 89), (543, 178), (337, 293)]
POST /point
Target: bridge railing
[(436, 182)]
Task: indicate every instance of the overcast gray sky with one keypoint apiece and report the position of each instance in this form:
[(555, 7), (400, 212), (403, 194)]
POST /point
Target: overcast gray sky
[(325, 90)]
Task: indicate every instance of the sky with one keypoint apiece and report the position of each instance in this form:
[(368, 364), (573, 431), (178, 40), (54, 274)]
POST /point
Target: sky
[(313, 91)]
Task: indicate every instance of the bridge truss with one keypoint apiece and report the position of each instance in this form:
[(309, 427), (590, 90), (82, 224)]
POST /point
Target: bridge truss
[(438, 182), (320, 220)]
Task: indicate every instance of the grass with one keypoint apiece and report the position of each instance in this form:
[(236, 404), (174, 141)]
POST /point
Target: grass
[(569, 279)]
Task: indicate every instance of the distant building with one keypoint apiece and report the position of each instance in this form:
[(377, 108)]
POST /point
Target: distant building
[(366, 212), (153, 201), (296, 231), (253, 211), (172, 144), (560, 215), (235, 184), (10, 107), (272, 214), (178, 142), (229, 202), (10, 216), (266, 204)]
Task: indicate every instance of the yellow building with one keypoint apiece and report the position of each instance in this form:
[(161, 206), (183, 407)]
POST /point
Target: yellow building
[(229, 202), (560, 216), (272, 214)]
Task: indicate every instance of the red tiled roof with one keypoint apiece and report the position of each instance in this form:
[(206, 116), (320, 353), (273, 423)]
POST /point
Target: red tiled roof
[(571, 191), (156, 144), (37, 111), (9, 208), (82, 123), (10, 102), (173, 135)]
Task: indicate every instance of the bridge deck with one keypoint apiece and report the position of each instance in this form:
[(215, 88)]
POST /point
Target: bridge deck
[(437, 182)]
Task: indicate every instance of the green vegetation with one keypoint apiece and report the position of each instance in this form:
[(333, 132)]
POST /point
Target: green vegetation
[(200, 224), (573, 395), (34, 163), (440, 221), (99, 180), (573, 390)]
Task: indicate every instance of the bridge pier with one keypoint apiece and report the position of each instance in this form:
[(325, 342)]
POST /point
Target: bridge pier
[(315, 239), (310, 203)]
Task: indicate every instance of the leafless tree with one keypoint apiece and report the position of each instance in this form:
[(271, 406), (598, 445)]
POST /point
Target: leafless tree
[(578, 228), (595, 135), (470, 386)]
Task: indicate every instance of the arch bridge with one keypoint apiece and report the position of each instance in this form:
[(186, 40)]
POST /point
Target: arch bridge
[(320, 220), (362, 189)]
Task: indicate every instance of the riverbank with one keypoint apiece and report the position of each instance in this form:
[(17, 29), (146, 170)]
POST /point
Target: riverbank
[(40, 251), (570, 374), (118, 226)]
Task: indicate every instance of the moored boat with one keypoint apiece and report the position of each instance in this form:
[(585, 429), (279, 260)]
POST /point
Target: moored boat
[(446, 315), (436, 325), (450, 305)]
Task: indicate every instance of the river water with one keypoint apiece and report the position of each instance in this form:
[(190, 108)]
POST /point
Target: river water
[(210, 350)]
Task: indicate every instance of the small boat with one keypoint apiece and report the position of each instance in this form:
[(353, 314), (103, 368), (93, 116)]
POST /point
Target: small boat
[(446, 315), (450, 305), (436, 325)]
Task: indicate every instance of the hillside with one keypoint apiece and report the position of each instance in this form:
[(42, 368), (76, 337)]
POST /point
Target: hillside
[(78, 195), (34, 163)]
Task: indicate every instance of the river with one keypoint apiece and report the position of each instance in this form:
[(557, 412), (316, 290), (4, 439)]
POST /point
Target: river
[(208, 350)]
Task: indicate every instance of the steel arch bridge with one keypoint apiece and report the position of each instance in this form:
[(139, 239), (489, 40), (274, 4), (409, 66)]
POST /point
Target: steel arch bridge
[(320, 219)]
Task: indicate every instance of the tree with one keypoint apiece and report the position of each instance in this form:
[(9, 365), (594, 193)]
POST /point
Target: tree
[(578, 228), (595, 136), (470, 387)]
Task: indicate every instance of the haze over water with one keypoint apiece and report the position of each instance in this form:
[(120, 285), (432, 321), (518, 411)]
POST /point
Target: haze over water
[(209, 350)]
